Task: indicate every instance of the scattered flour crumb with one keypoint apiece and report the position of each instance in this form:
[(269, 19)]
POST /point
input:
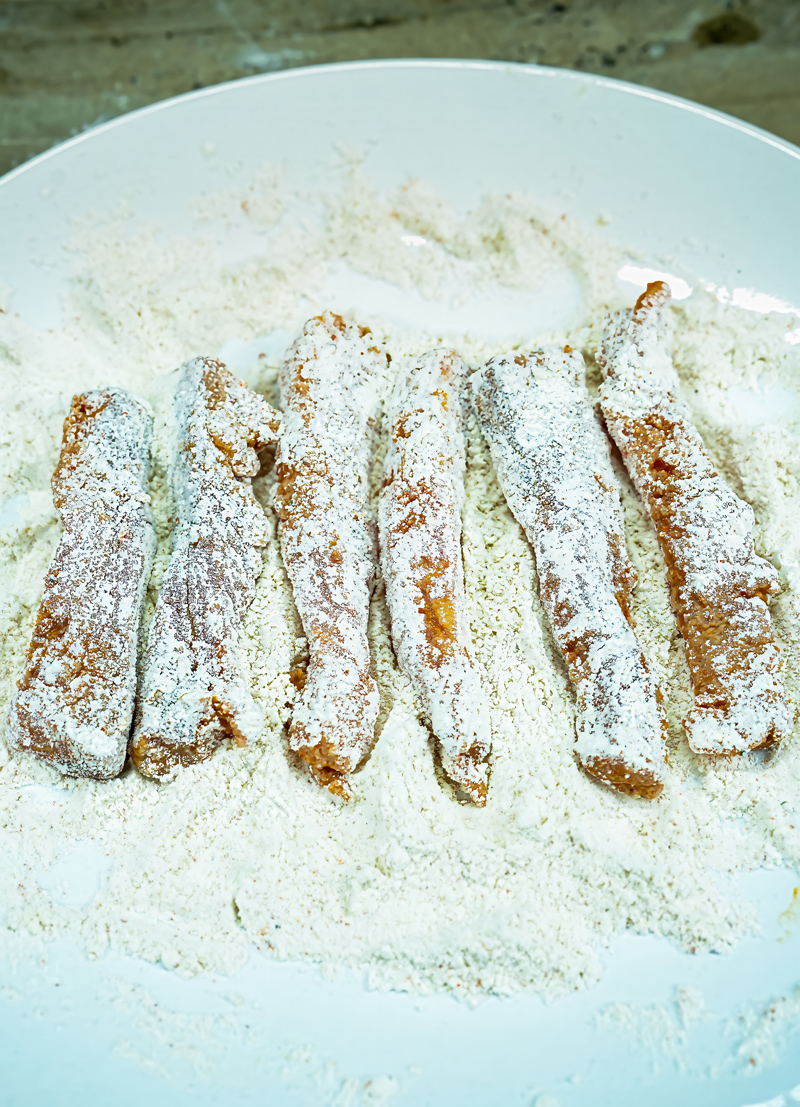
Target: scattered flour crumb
[(766, 1030), (654, 1028), (307, 1071), (760, 1032), (691, 1004)]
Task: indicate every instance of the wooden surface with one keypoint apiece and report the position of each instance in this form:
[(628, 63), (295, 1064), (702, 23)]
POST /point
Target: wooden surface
[(68, 64)]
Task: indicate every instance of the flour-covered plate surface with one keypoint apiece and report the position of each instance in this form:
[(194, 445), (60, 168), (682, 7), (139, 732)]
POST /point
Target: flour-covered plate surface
[(239, 934)]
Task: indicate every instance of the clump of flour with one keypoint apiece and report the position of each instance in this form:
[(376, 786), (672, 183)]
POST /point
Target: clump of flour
[(404, 883)]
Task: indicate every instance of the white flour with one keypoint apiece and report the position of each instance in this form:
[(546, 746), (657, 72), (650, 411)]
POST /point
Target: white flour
[(405, 883), (673, 1034)]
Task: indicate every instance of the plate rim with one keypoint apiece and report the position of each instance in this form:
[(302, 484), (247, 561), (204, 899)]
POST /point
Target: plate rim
[(528, 70)]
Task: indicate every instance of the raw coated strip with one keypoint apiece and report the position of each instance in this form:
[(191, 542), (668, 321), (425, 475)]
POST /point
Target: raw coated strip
[(419, 520), (717, 583), (74, 703), (331, 387), (553, 463), (193, 691)]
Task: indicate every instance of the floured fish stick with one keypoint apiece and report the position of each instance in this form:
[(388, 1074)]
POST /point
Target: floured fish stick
[(74, 703), (193, 692), (420, 542), (554, 467), (718, 585), (331, 388)]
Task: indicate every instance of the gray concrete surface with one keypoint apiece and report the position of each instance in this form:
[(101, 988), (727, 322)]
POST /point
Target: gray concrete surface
[(68, 64)]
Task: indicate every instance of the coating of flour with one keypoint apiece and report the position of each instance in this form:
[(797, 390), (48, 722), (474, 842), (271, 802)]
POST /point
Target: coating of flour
[(404, 883)]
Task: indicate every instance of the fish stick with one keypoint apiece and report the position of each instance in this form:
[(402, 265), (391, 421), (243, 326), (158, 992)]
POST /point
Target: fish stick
[(554, 467), (419, 518), (331, 390), (74, 703), (194, 693), (718, 585)]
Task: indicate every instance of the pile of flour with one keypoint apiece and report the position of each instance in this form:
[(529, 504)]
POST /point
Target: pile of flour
[(405, 883)]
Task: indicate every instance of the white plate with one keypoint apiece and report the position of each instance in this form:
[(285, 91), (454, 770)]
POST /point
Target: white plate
[(672, 179)]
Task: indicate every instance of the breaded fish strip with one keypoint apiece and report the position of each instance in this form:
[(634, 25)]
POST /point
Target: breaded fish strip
[(331, 389), (717, 583), (419, 518), (553, 463), (74, 703), (193, 691)]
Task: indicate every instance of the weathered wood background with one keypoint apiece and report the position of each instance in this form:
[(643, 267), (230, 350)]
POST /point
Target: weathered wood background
[(68, 64)]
